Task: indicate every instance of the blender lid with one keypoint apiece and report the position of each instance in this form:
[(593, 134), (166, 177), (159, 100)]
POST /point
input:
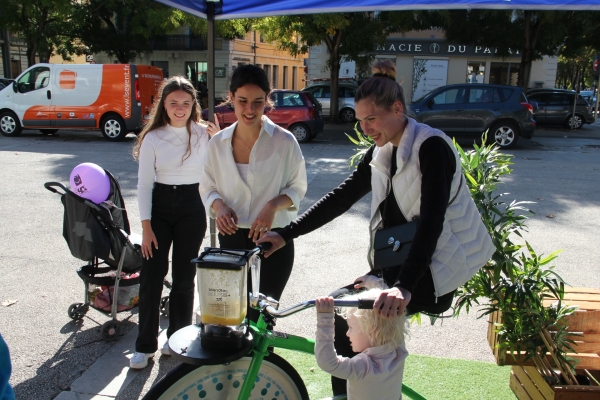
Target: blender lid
[(215, 258)]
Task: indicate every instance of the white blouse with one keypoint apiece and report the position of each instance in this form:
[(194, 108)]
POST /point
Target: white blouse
[(162, 160), (276, 167)]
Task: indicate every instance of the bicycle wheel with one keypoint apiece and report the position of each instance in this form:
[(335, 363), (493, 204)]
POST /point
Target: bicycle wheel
[(276, 379)]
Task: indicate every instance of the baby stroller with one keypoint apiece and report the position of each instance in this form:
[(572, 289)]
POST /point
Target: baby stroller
[(100, 234)]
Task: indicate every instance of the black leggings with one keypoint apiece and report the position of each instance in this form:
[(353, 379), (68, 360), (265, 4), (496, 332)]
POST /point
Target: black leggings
[(274, 271), (422, 300), (178, 218)]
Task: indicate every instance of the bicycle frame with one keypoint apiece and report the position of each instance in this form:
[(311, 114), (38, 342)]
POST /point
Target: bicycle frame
[(263, 338)]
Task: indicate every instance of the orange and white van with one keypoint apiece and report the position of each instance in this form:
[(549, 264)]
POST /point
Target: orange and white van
[(115, 98)]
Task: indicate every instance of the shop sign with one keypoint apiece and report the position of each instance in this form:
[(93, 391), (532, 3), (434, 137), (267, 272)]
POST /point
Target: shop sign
[(435, 48), (219, 72)]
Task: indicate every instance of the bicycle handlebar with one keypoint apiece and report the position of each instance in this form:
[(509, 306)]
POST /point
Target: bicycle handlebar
[(359, 303)]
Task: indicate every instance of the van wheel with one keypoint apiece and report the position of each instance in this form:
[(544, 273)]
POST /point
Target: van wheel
[(347, 115), (48, 131), (505, 134), (113, 128), (576, 121), (301, 132), (10, 124)]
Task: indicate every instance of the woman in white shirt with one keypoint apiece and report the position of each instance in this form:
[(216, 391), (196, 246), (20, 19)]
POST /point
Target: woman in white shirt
[(254, 178), (171, 150)]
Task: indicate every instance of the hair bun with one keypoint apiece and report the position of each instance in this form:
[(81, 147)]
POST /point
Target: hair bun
[(386, 69)]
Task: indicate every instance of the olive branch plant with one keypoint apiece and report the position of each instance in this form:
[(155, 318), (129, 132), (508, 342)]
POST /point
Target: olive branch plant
[(516, 280)]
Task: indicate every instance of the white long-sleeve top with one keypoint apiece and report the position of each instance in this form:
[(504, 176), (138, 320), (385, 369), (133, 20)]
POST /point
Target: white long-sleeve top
[(276, 167), (161, 160), (376, 373)]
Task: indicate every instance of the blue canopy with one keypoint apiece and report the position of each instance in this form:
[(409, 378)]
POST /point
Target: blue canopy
[(231, 9)]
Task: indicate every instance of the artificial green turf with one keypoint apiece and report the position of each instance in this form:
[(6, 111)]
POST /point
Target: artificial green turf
[(434, 378)]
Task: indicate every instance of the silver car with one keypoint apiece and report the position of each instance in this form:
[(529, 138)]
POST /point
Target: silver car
[(322, 92)]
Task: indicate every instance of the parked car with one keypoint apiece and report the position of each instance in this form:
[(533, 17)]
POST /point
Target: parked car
[(294, 110), (346, 93), (4, 82), (468, 110), (555, 106)]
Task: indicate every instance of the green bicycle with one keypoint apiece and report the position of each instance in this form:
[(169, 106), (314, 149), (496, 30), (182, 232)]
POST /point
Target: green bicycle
[(252, 370)]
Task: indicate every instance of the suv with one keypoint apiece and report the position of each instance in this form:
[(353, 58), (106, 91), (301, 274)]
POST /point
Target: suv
[(468, 110), (294, 110), (346, 93), (555, 106)]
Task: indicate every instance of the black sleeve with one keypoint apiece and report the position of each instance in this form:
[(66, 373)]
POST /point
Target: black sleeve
[(437, 164), (334, 203)]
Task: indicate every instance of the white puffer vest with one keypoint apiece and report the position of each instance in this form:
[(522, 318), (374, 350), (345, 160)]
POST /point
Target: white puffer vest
[(464, 245)]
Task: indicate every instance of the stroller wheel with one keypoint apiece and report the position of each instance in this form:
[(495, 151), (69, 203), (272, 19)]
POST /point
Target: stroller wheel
[(110, 330), (77, 311), (164, 306)]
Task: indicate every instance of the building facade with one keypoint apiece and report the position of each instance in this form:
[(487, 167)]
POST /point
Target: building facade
[(13, 55), (186, 54), (425, 61)]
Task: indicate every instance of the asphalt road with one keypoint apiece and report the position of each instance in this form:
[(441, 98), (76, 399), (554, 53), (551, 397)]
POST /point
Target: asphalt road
[(559, 170)]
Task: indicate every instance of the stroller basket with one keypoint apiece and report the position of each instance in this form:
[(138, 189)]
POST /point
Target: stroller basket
[(100, 234)]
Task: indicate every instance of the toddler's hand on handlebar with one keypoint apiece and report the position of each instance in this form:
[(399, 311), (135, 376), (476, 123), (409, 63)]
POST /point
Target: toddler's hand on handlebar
[(324, 304), (275, 239)]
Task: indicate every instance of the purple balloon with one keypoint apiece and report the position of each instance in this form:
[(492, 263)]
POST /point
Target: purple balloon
[(91, 182)]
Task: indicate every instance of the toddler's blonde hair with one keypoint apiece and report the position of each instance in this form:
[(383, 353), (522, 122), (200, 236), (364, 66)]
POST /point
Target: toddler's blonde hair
[(379, 330)]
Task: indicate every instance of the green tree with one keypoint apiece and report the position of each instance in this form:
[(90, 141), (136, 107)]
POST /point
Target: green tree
[(124, 29), (347, 36), (532, 33), (40, 23)]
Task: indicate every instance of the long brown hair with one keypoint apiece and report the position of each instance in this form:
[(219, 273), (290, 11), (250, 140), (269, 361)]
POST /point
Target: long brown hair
[(158, 116), (382, 87)]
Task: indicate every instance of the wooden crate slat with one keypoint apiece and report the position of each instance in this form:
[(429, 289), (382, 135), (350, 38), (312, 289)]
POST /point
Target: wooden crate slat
[(577, 392), (539, 381), (518, 389), (581, 290), (588, 321)]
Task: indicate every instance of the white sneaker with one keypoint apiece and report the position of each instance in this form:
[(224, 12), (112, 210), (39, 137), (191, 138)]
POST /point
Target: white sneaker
[(165, 349), (140, 360)]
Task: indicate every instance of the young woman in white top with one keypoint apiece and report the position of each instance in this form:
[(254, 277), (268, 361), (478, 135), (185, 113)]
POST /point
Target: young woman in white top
[(171, 150), (254, 178)]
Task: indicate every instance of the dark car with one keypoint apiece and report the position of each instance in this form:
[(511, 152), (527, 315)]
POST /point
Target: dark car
[(346, 93), (4, 82), (555, 107), (468, 110), (294, 110)]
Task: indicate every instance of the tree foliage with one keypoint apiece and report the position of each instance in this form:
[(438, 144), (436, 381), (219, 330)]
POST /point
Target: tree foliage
[(40, 23), (347, 36), (533, 34)]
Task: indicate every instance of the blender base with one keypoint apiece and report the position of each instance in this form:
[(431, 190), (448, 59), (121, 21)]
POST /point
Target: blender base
[(186, 346)]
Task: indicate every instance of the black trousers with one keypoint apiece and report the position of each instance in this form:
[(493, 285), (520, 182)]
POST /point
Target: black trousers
[(178, 219), (422, 300), (274, 271)]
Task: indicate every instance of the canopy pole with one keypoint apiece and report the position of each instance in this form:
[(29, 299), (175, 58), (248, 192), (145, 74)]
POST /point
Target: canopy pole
[(210, 16)]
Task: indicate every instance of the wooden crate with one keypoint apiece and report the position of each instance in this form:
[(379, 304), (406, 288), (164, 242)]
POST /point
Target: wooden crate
[(527, 384), (585, 321)]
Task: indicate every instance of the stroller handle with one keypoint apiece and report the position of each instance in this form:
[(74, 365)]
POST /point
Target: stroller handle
[(51, 187)]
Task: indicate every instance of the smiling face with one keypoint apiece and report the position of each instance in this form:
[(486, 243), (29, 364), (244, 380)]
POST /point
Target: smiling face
[(249, 104), (358, 339), (178, 105), (380, 124)]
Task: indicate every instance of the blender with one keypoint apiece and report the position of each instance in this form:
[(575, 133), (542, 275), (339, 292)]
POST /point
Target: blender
[(222, 288)]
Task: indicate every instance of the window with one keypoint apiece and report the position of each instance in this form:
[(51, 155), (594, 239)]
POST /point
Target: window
[(475, 72), (558, 100), (347, 92), (294, 77), (34, 79), (275, 80), (267, 69), (484, 95), (451, 96), (285, 77), (285, 99)]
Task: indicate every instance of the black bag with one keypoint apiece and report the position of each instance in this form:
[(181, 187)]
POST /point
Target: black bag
[(391, 245)]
